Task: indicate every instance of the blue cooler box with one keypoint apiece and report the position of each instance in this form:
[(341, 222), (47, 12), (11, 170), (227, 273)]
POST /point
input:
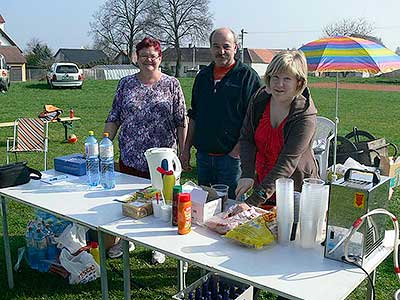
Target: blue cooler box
[(74, 164)]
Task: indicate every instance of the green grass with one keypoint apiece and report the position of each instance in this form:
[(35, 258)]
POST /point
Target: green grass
[(376, 112)]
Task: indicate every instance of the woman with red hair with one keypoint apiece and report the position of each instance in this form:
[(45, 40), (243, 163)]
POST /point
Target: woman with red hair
[(148, 110)]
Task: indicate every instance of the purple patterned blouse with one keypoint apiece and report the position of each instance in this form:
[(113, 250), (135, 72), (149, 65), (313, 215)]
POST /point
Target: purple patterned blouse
[(148, 117)]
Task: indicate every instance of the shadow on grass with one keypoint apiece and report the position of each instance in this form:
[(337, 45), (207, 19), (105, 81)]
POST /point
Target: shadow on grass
[(39, 86)]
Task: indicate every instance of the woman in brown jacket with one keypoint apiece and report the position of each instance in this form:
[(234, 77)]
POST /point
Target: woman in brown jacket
[(278, 130)]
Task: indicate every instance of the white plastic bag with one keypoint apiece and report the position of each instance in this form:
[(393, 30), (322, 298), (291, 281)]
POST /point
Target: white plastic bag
[(73, 238), (82, 267)]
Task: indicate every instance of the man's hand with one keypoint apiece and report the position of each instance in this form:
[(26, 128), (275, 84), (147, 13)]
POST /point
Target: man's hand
[(244, 184), (184, 157), (235, 153)]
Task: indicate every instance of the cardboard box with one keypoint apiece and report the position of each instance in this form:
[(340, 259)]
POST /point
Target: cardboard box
[(242, 291), (390, 166), (137, 209), (74, 164), (201, 209)]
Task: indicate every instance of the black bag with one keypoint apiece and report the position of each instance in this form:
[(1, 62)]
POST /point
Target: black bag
[(16, 174)]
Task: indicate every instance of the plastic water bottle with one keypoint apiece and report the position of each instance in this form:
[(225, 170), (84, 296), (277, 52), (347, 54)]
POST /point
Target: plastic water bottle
[(107, 179), (92, 160), (31, 249), (52, 250), (41, 246)]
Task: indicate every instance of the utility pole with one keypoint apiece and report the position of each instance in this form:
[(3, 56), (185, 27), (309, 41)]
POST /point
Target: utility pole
[(242, 33)]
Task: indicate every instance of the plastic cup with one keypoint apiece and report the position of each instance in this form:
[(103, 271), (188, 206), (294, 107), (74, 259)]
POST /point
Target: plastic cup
[(166, 213), (156, 208), (311, 206), (284, 209), (222, 191)]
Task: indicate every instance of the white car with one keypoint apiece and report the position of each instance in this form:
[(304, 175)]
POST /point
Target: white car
[(65, 75)]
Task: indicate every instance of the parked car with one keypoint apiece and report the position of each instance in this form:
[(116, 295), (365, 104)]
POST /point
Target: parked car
[(64, 75), (4, 74)]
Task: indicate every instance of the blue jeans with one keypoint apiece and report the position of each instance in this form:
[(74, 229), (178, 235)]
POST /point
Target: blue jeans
[(223, 169)]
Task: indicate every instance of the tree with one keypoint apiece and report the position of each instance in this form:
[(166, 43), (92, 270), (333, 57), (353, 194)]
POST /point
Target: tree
[(118, 25), (38, 54), (174, 22), (358, 27), (398, 50)]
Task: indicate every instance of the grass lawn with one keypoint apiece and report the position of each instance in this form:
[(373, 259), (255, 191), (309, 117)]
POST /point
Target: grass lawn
[(376, 112)]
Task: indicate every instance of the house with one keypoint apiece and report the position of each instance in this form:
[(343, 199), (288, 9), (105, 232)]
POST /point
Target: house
[(81, 57), (13, 55), (196, 58), (122, 58)]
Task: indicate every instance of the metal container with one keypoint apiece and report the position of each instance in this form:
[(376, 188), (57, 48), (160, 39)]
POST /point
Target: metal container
[(351, 197)]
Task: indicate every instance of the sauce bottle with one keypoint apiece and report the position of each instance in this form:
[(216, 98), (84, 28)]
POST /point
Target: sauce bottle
[(168, 186), (184, 213), (94, 250), (176, 190), (71, 113)]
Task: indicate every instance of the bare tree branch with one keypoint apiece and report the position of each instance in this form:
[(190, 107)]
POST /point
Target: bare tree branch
[(358, 27), (119, 24), (175, 22)]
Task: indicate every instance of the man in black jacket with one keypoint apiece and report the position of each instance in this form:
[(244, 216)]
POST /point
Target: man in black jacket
[(220, 96)]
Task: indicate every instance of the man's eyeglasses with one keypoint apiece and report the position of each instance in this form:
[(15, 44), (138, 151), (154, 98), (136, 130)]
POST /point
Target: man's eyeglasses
[(151, 57)]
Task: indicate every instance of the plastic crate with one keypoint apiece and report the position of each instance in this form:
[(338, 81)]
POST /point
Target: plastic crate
[(242, 291)]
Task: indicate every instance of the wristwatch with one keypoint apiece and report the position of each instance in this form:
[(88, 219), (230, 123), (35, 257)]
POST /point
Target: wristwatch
[(261, 193)]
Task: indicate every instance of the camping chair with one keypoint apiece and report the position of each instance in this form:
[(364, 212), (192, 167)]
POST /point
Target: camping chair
[(30, 135), (323, 136)]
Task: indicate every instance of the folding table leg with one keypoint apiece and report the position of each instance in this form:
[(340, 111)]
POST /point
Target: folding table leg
[(127, 275), (7, 251), (181, 276), (103, 268)]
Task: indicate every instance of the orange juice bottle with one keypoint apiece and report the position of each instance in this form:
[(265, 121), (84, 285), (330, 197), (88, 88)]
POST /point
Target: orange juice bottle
[(184, 213)]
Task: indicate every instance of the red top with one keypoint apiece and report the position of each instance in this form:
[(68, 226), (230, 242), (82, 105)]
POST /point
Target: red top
[(269, 142)]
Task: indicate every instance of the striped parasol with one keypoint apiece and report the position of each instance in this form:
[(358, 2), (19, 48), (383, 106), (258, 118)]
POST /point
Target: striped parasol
[(348, 54), (345, 54)]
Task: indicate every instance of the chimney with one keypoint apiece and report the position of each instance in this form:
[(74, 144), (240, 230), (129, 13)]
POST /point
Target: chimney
[(2, 23)]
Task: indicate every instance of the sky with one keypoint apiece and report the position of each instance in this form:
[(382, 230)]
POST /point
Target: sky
[(269, 24)]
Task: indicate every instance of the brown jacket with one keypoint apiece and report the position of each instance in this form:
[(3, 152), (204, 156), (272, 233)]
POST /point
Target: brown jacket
[(296, 159)]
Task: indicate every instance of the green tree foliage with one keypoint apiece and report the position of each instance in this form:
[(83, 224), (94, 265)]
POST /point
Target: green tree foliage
[(38, 54)]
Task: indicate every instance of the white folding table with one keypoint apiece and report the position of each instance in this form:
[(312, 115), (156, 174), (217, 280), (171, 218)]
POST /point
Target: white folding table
[(290, 271), (72, 200)]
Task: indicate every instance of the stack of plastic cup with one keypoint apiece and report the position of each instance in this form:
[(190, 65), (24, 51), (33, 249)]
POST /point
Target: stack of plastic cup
[(311, 205), (321, 230), (284, 209)]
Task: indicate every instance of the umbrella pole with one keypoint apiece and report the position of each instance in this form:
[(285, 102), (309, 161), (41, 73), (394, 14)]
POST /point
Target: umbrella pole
[(336, 126)]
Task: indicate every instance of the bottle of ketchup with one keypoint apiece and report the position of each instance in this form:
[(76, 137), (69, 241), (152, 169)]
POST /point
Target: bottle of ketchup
[(71, 113)]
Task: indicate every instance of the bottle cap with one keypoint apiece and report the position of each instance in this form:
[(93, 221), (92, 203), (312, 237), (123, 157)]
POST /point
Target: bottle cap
[(94, 244), (91, 132), (184, 197), (106, 134), (177, 189)]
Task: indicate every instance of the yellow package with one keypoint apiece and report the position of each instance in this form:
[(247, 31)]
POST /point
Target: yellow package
[(256, 233)]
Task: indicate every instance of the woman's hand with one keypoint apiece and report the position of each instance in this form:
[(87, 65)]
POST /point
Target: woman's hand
[(184, 157), (244, 184)]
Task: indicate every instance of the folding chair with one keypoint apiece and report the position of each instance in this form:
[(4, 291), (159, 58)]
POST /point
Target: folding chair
[(323, 136), (30, 135)]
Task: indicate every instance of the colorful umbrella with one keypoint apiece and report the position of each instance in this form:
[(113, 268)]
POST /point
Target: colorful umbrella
[(348, 54)]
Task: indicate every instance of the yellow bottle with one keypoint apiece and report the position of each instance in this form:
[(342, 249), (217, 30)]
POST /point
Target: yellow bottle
[(168, 186), (94, 250)]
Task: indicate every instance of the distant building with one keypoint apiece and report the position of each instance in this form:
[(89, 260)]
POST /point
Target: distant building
[(81, 57), (13, 54), (196, 58), (122, 58)]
